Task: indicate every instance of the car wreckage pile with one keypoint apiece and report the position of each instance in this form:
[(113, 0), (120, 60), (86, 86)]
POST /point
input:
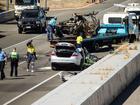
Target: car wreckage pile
[(86, 23)]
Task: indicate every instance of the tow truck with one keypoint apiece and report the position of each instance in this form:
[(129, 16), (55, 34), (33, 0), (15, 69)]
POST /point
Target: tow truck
[(116, 27)]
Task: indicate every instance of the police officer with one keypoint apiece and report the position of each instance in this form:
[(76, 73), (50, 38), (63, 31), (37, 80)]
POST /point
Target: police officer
[(2, 63), (31, 56), (14, 57)]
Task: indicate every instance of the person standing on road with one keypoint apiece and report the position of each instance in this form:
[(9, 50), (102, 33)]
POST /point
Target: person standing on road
[(2, 63), (14, 58), (31, 56), (51, 28), (79, 40)]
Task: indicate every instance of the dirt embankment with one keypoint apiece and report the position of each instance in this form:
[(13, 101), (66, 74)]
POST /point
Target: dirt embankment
[(56, 4), (59, 4)]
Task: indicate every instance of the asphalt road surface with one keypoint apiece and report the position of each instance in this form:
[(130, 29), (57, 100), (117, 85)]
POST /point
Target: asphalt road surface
[(25, 89)]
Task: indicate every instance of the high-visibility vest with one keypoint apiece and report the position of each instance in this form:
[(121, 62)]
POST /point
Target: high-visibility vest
[(14, 55), (30, 50), (79, 39)]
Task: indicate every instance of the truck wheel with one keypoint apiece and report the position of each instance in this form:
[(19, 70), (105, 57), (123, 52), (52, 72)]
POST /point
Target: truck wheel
[(44, 28), (96, 46), (132, 38), (20, 30), (110, 46), (114, 41)]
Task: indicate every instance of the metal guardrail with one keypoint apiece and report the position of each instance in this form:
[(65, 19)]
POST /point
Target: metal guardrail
[(6, 16)]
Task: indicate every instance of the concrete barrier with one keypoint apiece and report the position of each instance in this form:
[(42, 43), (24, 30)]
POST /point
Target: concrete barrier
[(100, 84), (6, 16)]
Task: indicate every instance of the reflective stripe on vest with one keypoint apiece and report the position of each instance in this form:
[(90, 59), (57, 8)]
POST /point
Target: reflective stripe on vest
[(14, 55)]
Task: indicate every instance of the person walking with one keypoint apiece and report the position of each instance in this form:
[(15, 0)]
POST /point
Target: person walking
[(2, 63), (51, 28), (31, 56), (14, 58)]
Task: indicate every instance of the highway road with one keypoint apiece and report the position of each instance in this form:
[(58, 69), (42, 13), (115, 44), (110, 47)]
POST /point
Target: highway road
[(29, 87)]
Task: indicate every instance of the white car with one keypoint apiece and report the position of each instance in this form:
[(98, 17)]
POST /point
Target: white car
[(67, 57)]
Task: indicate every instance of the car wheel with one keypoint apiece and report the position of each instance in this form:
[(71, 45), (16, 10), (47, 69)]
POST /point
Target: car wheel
[(20, 30), (44, 28), (81, 64), (53, 67), (41, 29)]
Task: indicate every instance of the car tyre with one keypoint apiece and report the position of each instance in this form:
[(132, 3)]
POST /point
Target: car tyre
[(20, 30), (40, 29), (81, 64)]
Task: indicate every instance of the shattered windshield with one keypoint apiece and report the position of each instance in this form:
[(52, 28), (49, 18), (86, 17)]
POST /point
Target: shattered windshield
[(25, 2)]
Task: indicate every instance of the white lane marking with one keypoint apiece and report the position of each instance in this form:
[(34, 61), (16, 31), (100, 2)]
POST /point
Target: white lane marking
[(29, 90), (23, 41), (22, 62)]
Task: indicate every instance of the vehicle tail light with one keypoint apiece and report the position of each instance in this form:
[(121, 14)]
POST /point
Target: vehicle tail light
[(75, 54), (53, 53)]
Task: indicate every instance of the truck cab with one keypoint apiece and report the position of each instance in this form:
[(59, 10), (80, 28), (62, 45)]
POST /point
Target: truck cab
[(21, 5), (125, 19), (134, 8)]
